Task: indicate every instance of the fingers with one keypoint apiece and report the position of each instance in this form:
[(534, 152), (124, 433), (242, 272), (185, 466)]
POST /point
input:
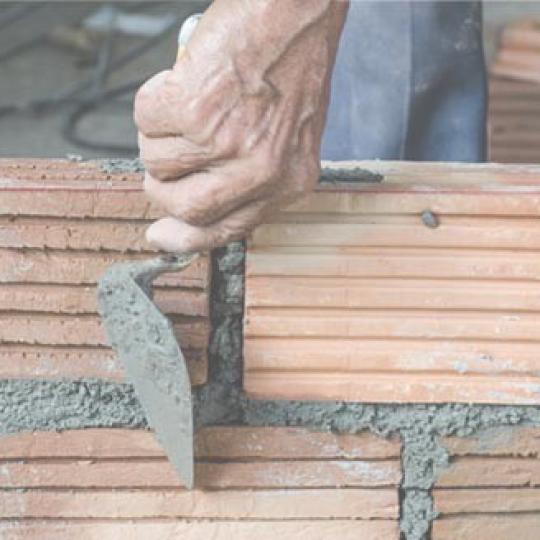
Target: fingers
[(175, 236), (204, 197), (157, 108), (168, 158)]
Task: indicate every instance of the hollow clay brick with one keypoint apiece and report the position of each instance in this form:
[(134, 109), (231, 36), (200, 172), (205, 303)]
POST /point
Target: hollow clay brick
[(258, 480), (351, 294), (61, 225)]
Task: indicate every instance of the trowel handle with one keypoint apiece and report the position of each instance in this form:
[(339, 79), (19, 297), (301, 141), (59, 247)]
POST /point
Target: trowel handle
[(186, 31)]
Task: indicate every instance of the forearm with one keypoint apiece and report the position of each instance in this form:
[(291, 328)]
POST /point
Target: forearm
[(262, 34)]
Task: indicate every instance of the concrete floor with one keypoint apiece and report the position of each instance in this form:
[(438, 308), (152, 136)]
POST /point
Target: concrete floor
[(47, 69)]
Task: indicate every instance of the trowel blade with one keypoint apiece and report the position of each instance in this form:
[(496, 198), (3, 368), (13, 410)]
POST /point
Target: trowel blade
[(144, 340)]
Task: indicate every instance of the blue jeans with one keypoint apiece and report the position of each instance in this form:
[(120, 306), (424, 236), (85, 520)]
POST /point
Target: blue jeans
[(409, 83)]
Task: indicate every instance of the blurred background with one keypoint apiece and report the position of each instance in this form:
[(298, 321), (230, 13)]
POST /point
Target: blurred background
[(68, 71)]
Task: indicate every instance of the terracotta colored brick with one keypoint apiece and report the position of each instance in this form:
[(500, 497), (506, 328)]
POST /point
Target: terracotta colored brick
[(76, 203), (160, 474), (211, 443), (482, 501), (390, 263), (76, 267), (291, 443), (252, 481), (519, 441), (273, 354), (350, 295), (49, 329), (51, 258), (249, 504), (490, 472), (383, 387), (503, 527), (53, 362), (76, 299), (47, 233), (299, 530)]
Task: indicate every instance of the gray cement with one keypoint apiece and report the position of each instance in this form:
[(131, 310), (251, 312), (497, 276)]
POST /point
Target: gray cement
[(144, 340)]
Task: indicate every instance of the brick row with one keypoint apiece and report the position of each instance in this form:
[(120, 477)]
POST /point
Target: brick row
[(52, 362), (219, 443), (274, 504), (47, 329), (243, 530), (74, 267), (73, 299), (96, 235)]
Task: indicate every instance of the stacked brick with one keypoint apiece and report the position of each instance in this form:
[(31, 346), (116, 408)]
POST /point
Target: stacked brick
[(258, 483), (61, 225), (514, 105), (492, 488)]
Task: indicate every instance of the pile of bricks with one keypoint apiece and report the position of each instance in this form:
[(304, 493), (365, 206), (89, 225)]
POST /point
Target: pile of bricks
[(61, 225)]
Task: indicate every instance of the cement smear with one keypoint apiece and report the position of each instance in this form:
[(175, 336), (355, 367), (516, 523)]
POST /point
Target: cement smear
[(49, 405), (116, 166), (328, 174), (144, 340), (32, 405)]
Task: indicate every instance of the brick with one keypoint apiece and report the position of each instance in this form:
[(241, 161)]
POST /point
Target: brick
[(383, 387), (82, 299), (96, 235), (260, 504), (519, 441), (380, 324), (393, 263), (76, 203), (372, 293), (381, 201), (292, 443), (490, 472), (49, 329), (386, 356), (503, 527), (349, 295), (53, 362), (217, 443), (300, 530), (160, 474), (482, 501), (393, 231), (76, 267), (280, 479)]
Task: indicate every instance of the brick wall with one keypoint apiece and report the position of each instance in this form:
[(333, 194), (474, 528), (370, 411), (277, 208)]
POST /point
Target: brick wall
[(250, 483), (61, 225)]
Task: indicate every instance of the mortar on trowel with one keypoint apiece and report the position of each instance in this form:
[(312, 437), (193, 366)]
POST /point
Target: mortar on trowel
[(145, 341)]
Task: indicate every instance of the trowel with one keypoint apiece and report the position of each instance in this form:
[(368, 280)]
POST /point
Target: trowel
[(144, 340)]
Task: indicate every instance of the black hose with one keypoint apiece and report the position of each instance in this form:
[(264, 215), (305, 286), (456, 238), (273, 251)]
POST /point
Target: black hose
[(69, 129)]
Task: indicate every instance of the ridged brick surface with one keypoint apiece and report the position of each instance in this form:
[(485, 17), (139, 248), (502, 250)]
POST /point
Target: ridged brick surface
[(61, 225), (492, 487), (351, 294), (250, 483)]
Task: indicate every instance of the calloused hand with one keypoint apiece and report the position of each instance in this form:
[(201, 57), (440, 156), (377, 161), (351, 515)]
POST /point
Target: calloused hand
[(233, 131)]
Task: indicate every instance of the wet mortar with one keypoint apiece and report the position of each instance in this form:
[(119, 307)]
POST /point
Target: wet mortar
[(27, 405)]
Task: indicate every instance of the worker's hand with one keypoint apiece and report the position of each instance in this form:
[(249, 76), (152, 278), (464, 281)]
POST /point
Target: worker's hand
[(233, 131)]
